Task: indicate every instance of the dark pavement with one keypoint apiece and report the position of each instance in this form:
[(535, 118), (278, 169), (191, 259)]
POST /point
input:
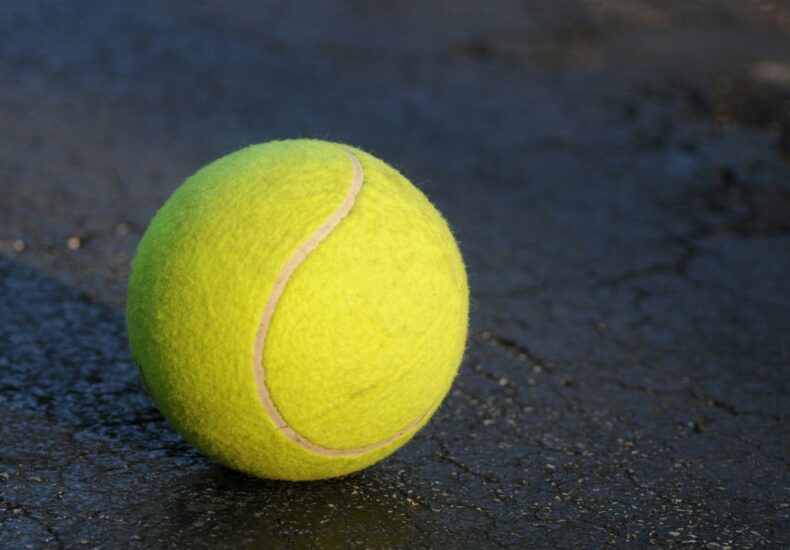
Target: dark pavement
[(617, 174)]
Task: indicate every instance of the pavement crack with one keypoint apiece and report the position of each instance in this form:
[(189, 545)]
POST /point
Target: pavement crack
[(521, 351), (677, 266), (728, 408), (443, 453)]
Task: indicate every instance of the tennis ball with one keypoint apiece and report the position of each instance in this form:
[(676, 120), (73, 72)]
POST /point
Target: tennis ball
[(298, 309)]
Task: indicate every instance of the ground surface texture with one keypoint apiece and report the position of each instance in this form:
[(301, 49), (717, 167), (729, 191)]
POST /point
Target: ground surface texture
[(617, 175)]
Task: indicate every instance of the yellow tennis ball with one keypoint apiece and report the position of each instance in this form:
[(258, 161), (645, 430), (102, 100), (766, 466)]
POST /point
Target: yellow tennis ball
[(298, 309)]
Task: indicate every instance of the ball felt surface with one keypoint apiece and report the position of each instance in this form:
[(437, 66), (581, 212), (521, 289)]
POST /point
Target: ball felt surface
[(298, 309)]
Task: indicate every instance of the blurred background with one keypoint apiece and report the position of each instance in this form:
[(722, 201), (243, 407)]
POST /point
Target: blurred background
[(617, 173)]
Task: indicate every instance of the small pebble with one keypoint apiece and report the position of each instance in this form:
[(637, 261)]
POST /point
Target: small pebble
[(73, 243)]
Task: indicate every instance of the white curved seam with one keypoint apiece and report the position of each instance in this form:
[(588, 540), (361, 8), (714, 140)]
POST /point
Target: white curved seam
[(288, 270)]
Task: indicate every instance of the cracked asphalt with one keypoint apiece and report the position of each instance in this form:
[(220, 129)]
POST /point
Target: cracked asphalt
[(617, 174)]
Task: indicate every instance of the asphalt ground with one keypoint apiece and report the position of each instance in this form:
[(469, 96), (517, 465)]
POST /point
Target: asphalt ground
[(617, 174)]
